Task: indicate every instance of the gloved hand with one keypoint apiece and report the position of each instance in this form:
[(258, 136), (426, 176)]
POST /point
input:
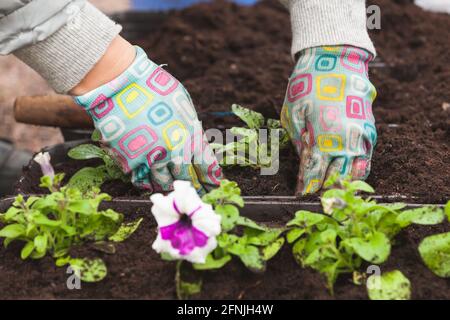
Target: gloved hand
[(328, 115), (149, 124)]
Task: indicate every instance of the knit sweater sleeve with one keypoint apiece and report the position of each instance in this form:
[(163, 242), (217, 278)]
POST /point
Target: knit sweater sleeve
[(328, 22)]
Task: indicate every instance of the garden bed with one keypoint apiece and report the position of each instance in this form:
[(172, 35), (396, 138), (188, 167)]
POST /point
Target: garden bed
[(241, 55), (136, 271)]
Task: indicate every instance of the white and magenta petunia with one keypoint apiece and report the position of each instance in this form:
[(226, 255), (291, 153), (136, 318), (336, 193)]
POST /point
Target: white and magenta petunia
[(187, 227)]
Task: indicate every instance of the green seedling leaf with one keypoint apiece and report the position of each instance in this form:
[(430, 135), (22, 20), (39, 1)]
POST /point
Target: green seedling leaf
[(229, 214), (447, 210), (246, 222), (375, 248), (294, 234), (27, 250), (254, 120), (89, 270), (423, 216), (228, 192), (126, 230), (272, 249), (187, 289), (273, 124), (389, 286), (88, 178), (12, 231), (86, 151), (96, 135), (435, 252), (40, 243), (212, 263), (250, 257), (361, 186), (306, 219), (262, 238)]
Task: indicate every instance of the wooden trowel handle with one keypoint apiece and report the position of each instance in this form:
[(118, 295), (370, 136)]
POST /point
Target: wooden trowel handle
[(53, 111)]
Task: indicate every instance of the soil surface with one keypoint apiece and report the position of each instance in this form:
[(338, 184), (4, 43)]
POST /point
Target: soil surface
[(226, 54), (135, 271)]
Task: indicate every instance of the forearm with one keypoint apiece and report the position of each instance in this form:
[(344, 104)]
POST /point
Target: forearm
[(63, 43), (327, 23)]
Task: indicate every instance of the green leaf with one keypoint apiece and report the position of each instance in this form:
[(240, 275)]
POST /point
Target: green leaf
[(262, 238), (298, 251), (227, 192), (435, 252), (212, 263), (250, 257), (187, 289), (126, 230), (96, 135), (27, 250), (306, 219), (44, 221), (294, 234), (12, 231), (229, 214), (272, 249), (40, 243), (85, 152), (361, 186), (424, 216), (273, 124), (246, 222), (375, 248), (447, 210), (391, 285), (254, 120), (89, 270), (88, 178)]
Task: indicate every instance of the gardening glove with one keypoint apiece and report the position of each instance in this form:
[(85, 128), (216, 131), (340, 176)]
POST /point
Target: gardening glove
[(328, 115), (148, 123)]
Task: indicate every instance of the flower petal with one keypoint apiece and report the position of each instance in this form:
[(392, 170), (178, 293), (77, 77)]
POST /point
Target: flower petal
[(198, 255), (207, 221), (163, 209), (186, 197)]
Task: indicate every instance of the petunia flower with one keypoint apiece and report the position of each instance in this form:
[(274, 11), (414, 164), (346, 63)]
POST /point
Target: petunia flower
[(187, 227), (43, 159)]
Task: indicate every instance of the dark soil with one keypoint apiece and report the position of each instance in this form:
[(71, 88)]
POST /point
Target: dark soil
[(227, 54), (135, 271)]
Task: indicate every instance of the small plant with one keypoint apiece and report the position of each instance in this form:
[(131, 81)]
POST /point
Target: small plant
[(255, 145), (208, 232), (435, 251), (54, 223), (89, 177), (352, 230)]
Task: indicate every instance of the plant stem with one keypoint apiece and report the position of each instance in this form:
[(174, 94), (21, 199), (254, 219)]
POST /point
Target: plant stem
[(178, 280)]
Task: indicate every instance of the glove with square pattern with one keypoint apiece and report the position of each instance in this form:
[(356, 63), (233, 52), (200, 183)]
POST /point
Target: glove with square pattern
[(328, 114), (149, 125)]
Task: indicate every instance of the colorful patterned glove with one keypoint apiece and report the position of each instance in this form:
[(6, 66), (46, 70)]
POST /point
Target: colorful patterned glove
[(149, 124), (328, 114)]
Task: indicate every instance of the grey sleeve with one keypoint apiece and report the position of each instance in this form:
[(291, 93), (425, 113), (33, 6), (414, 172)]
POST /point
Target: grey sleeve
[(61, 42), (327, 23)]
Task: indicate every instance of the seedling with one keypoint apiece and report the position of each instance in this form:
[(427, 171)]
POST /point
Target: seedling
[(255, 143), (352, 230), (55, 223), (89, 177)]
